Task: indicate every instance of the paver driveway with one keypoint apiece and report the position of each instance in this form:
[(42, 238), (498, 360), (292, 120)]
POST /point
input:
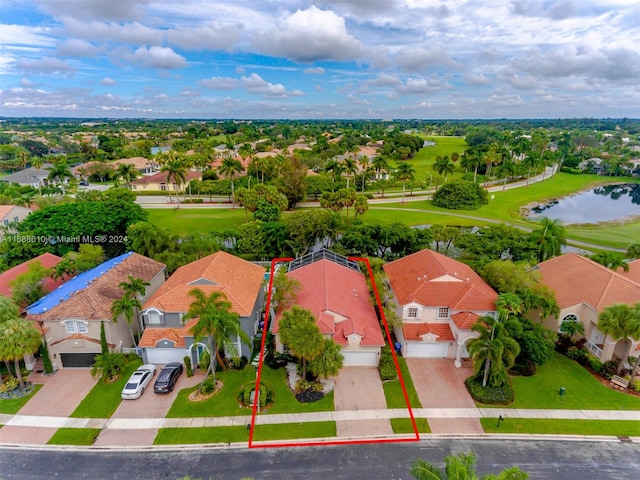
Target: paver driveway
[(441, 385), (59, 396), (360, 388)]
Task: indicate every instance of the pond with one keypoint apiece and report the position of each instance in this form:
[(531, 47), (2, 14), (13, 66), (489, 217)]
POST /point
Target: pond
[(602, 204)]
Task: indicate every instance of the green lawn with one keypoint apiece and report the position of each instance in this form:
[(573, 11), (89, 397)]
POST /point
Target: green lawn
[(186, 220), (562, 427), (104, 398), (11, 406), (403, 425), (283, 399), (393, 391), (284, 431), (425, 158), (583, 391), (74, 436)]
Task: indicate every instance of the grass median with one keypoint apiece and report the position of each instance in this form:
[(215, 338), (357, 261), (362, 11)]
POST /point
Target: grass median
[(10, 406), (74, 436), (562, 427), (393, 390)]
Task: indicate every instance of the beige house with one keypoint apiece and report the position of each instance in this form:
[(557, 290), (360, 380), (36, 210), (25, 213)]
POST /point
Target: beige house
[(10, 215), (157, 182), (438, 300), (583, 288), (70, 316)]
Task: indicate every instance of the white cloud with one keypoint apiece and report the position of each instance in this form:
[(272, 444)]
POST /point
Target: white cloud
[(419, 59), (78, 48), (157, 57), (46, 65), (134, 33), (25, 35), (220, 83), (95, 9), (310, 35), (107, 81), (253, 83), (314, 71), (213, 36)]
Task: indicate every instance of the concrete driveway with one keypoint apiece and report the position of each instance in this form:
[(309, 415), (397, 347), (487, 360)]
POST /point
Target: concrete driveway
[(59, 396), (360, 388), (440, 384), (149, 405)]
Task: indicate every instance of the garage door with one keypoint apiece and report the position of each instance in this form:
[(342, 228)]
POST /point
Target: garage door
[(426, 350), (77, 359), (161, 356), (360, 359)]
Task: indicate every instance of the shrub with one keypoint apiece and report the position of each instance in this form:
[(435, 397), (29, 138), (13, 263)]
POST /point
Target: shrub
[(10, 384), (237, 363), (208, 386), (307, 391), (461, 195), (46, 360), (277, 360), (636, 385), (594, 363), (265, 397), (187, 366), (609, 369), (502, 395), (524, 368), (580, 355), (387, 367), (205, 359)]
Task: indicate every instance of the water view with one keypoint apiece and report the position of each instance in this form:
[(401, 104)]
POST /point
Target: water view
[(602, 204)]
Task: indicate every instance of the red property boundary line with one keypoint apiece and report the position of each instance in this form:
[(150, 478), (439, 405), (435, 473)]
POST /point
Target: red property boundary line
[(265, 330)]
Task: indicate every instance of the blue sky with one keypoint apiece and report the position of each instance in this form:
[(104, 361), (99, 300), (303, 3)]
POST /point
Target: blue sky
[(293, 59)]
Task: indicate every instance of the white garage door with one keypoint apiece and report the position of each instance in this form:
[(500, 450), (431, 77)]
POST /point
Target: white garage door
[(354, 358), (161, 356), (426, 350)]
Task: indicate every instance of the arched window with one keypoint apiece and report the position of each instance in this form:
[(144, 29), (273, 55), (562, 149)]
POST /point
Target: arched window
[(569, 318)]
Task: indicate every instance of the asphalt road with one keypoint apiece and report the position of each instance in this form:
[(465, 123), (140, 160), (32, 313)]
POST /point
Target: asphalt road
[(543, 459)]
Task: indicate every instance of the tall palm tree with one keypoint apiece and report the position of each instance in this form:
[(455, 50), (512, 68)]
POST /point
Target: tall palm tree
[(176, 173), (336, 168), (350, 167), (126, 306), (37, 162), (128, 173), (531, 160), (380, 164), (551, 236), (444, 165), (472, 160), (228, 169), (494, 352), (363, 163), (404, 172), (298, 331), (461, 467), (329, 362), (508, 169), (621, 322), (136, 288), (216, 324), (19, 337), (59, 171)]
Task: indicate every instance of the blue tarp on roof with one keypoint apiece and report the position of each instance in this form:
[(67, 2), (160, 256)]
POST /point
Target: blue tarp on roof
[(77, 283)]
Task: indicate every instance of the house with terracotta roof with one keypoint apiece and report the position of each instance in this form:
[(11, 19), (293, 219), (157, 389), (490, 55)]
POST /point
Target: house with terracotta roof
[(335, 291), (47, 260), (583, 289), (157, 182), (70, 316), (167, 338), (438, 300)]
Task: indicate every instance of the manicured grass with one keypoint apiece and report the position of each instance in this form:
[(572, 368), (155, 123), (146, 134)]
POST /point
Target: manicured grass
[(426, 157), (104, 398), (186, 220), (283, 399), (562, 427), (11, 406), (74, 436), (399, 212), (583, 391), (222, 404), (619, 235), (393, 391), (284, 431), (403, 425)]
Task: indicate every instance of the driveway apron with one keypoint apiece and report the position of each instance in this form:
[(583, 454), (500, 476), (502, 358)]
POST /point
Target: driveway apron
[(360, 388), (440, 384)]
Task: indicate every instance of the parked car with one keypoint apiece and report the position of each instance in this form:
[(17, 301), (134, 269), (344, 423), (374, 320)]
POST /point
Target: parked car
[(168, 377), (83, 183), (138, 382)]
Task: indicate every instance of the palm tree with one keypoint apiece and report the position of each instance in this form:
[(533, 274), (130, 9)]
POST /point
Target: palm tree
[(460, 467), (19, 338), (551, 237), (336, 168), (216, 323), (176, 171), (472, 160), (444, 165), (107, 365), (404, 172), (494, 352), (621, 322), (37, 162), (128, 173), (364, 162), (126, 306), (298, 331), (349, 167), (570, 329), (228, 169), (59, 171), (508, 169), (531, 160), (135, 288), (380, 164), (329, 362)]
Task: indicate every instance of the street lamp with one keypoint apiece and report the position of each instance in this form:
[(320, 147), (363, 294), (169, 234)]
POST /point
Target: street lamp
[(430, 179)]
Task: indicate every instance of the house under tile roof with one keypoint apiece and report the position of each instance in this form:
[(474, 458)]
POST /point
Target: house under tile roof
[(48, 260), (577, 279), (152, 336), (432, 279), (89, 295), (634, 271), (238, 279), (338, 297), (415, 331)]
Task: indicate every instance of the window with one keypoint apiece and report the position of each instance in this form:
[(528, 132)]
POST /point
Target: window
[(443, 312), (163, 187), (15, 219), (6, 222), (72, 327), (570, 318), (153, 318), (412, 312)]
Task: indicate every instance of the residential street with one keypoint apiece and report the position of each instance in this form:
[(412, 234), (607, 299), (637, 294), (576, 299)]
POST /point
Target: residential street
[(559, 459)]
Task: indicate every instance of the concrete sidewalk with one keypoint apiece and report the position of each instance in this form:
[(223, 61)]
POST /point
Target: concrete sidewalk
[(243, 420)]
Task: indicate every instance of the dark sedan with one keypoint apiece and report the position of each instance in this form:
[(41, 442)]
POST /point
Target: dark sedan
[(168, 377)]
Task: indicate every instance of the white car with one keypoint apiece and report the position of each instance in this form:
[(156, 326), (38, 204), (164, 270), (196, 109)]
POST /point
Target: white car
[(138, 382)]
